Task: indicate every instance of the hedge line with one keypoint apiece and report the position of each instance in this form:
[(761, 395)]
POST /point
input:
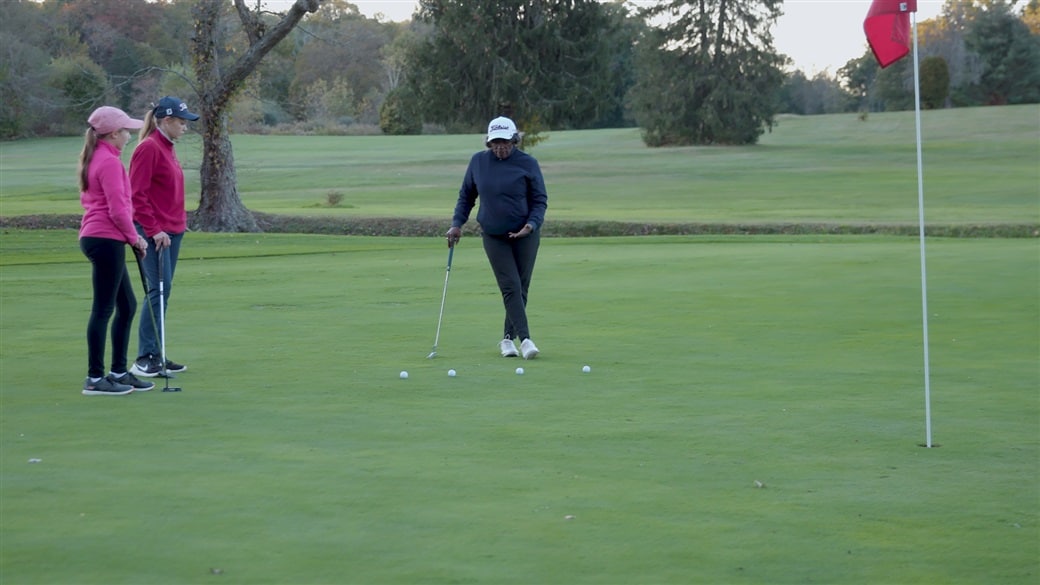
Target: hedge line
[(426, 227)]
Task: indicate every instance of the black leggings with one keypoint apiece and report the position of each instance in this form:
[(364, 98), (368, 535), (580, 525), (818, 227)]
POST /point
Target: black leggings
[(512, 262), (112, 291)]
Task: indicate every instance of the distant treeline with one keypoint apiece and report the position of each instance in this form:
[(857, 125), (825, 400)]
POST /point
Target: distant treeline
[(554, 65)]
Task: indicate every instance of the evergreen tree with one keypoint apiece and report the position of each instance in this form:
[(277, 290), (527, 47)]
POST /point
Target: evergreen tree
[(555, 61), (1010, 54), (710, 75), (935, 83)]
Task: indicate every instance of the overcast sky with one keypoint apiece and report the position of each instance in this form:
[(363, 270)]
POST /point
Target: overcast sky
[(817, 34)]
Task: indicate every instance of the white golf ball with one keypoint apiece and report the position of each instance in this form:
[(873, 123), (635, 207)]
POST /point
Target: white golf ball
[(451, 373), (404, 375), (519, 371), (586, 369)]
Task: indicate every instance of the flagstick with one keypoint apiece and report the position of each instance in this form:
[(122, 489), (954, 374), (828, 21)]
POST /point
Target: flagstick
[(924, 270)]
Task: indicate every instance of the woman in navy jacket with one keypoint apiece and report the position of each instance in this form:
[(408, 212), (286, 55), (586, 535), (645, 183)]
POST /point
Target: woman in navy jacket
[(513, 201)]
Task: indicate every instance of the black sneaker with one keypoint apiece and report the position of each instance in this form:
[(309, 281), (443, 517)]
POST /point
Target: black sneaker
[(148, 366), (105, 387), (132, 380), (172, 366)]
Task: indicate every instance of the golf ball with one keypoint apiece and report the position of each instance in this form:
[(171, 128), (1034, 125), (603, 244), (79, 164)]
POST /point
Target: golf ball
[(451, 373), (586, 369), (404, 375), (519, 371)]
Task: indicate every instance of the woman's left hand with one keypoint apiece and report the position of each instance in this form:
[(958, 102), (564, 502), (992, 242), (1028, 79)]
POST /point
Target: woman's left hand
[(523, 233)]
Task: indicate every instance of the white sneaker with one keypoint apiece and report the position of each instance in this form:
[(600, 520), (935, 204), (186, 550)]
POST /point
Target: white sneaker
[(528, 349), (508, 348)]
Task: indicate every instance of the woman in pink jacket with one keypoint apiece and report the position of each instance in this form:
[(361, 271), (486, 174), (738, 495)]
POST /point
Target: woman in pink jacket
[(107, 227)]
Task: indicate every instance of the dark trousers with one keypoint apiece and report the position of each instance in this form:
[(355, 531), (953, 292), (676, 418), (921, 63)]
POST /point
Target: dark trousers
[(512, 262), (112, 292)]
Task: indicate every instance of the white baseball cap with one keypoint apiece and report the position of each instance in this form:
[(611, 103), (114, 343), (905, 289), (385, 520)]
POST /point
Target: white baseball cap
[(501, 127)]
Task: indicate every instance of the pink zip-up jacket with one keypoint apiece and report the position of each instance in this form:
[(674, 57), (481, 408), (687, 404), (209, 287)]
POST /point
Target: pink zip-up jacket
[(109, 212), (157, 186)]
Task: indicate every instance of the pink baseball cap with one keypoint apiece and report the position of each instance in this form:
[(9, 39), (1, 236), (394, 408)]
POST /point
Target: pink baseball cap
[(107, 119)]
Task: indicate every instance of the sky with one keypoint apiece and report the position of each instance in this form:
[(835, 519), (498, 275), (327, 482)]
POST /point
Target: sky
[(818, 35)]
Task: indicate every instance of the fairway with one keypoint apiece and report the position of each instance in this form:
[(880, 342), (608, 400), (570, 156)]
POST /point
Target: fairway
[(753, 414), (980, 168)]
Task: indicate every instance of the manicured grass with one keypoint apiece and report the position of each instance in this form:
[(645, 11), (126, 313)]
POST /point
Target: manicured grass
[(295, 454), (979, 168)]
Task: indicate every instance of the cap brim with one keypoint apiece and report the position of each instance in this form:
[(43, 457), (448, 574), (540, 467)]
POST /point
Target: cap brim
[(186, 116)]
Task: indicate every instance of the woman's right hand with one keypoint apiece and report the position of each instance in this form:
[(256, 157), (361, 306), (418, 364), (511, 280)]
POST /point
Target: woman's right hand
[(162, 240), (141, 246), (454, 235)]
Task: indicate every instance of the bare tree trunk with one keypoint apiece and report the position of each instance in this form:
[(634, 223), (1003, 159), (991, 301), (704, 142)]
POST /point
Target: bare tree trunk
[(223, 211), (220, 207)]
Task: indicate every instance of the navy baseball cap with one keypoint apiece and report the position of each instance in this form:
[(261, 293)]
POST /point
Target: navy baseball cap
[(171, 106)]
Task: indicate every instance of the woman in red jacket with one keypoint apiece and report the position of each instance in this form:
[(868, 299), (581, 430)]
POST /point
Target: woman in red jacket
[(107, 227), (157, 183)]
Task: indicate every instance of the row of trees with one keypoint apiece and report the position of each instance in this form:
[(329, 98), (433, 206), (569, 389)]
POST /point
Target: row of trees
[(558, 64), (684, 71), (974, 53)]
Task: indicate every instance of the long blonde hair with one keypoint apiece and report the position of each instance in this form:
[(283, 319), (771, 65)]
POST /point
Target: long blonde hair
[(90, 140), (149, 126)]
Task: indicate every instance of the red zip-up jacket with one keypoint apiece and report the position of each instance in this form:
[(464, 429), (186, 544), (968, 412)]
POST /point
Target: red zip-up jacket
[(157, 186)]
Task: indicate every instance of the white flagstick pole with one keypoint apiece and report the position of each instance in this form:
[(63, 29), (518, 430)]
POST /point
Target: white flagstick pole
[(924, 270)]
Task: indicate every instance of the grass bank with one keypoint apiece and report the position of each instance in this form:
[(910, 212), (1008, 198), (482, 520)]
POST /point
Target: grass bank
[(814, 174)]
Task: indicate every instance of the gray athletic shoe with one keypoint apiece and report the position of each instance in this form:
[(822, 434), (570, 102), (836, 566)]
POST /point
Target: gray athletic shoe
[(105, 387), (508, 348), (133, 381)]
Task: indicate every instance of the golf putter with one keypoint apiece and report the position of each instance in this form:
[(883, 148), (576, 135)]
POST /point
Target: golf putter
[(162, 327), (151, 313), (144, 285), (447, 273)]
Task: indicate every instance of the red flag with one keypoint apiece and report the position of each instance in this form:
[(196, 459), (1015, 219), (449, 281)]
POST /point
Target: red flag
[(888, 29)]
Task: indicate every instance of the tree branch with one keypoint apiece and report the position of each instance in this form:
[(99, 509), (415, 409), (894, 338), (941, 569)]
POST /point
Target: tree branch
[(251, 22), (261, 41)]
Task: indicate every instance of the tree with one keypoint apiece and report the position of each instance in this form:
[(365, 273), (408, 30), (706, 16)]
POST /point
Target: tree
[(1031, 16), (1010, 54), (858, 77), (894, 86), (710, 75), (341, 47), (554, 61), (820, 95), (118, 35), (29, 100), (400, 113), (944, 37), (220, 207), (83, 85), (935, 83)]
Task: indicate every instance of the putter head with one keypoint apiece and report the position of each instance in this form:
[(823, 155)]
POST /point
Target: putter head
[(432, 355), (171, 389)]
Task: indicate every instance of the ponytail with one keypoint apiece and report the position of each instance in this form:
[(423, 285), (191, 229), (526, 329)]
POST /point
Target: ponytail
[(149, 126), (90, 139)]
